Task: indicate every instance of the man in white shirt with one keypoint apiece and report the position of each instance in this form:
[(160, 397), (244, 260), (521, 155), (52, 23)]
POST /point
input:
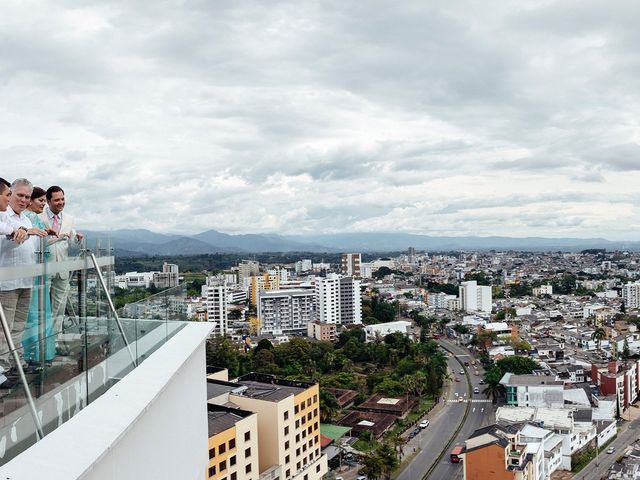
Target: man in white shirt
[(15, 295), (17, 235), (63, 224)]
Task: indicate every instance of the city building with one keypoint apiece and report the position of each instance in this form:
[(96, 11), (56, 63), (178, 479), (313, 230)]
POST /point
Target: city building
[(338, 300), (380, 330), (285, 311), (168, 278), (325, 332), (265, 281), (618, 379), (474, 297), (215, 292), (543, 290), (233, 444), (350, 264), (288, 424), (533, 391), (631, 295), (247, 268)]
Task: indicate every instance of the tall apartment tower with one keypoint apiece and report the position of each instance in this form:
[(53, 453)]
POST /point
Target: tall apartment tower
[(631, 295), (216, 292), (350, 264), (246, 268), (285, 311), (411, 254), (338, 300), (474, 297), (264, 281)]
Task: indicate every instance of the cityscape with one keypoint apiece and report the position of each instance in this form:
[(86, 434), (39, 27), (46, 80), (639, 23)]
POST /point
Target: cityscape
[(320, 240)]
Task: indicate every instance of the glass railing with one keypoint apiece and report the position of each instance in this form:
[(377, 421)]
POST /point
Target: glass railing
[(68, 344)]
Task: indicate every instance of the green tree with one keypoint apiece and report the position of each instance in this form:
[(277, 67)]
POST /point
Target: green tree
[(373, 466), (517, 365), (328, 406), (389, 459), (597, 336), (221, 352)]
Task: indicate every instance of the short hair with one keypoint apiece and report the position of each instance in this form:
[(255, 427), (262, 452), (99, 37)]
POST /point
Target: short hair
[(53, 189), (21, 182), (4, 185), (37, 193)]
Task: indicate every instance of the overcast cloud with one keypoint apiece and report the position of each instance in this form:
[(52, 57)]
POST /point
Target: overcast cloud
[(440, 118)]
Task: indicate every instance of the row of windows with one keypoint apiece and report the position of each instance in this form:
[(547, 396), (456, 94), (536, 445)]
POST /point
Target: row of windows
[(303, 420), (302, 405), (222, 448), (233, 476)]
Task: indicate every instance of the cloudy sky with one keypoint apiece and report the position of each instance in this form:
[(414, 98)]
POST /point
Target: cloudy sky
[(434, 117)]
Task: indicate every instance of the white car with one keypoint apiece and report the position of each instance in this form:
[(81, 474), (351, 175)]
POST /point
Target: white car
[(424, 424), (610, 450), (461, 371)]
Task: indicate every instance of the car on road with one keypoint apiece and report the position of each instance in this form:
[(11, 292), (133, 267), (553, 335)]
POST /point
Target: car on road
[(476, 390), (476, 373), (361, 477), (460, 399), (462, 371), (610, 450), (481, 382), (457, 379), (413, 434), (424, 424)]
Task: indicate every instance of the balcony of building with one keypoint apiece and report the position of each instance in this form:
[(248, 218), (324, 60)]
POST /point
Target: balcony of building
[(96, 392)]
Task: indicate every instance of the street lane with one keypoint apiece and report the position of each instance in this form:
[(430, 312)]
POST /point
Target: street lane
[(480, 414), (431, 441)]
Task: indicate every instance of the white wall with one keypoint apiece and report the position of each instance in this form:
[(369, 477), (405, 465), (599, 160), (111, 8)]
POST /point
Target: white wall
[(151, 424)]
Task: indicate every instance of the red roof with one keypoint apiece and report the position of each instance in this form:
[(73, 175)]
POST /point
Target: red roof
[(325, 441)]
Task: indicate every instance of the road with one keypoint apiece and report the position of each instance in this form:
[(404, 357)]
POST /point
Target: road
[(627, 434), (431, 441)]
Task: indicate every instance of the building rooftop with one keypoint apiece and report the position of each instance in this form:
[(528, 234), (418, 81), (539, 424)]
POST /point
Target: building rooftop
[(222, 418), (268, 387)]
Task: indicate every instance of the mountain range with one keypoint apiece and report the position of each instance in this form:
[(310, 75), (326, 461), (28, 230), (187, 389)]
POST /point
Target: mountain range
[(140, 242)]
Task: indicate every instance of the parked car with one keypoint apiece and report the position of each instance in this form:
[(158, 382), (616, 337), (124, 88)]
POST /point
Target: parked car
[(413, 434), (424, 424), (481, 382), (462, 371), (476, 390), (361, 477), (610, 450)]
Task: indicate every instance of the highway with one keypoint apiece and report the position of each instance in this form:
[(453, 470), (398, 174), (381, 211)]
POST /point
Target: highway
[(432, 440)]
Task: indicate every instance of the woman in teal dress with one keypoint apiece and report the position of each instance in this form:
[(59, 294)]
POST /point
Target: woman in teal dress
[(30, 337)]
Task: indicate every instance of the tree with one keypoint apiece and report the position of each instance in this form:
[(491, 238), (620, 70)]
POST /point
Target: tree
[(222, 353), (328, 406), (597, 336), (517, 365), (372, 466), (387, 454), (626, 353)]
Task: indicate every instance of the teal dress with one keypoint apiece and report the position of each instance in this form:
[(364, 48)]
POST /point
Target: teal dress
[(30, 337)]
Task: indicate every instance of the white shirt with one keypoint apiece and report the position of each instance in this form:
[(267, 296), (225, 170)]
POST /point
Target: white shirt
[(13, 254), (5, 227), (60, 250)]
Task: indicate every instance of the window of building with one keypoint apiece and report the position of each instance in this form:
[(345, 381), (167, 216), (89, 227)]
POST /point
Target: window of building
[(247, 469), (304, 420), (297, 423), (222, 466), (298, 466), (297, 437), (309, 430), (212, 471), (234, 476), (287, 473), (212, 452), (296, 409), (232, 461), (315, 398), (309, 402), (286, 430), (247, 436), (302, 406), (222, 448), (247, 453), (298, 452), (315, 413), (309, 415), (232, 443), (286, 415), (286, 459), (317, 468), (286, 445)]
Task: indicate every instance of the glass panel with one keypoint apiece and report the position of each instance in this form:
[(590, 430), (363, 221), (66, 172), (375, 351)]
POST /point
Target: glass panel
[(69, 340)]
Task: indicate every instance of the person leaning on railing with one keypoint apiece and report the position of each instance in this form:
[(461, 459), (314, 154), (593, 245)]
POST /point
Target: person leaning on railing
[(30, 338), (15, 295)]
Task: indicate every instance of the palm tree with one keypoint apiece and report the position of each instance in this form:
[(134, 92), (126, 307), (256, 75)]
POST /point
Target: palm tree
[(493, 390), (597, 335)]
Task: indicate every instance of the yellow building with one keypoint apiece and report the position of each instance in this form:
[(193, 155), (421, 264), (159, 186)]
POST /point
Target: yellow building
[(233, 444), (288, 424), (264, 281)]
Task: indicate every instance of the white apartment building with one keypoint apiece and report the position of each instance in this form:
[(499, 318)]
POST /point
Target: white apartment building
[(247, 268), (338, 300), (216, 293), (631, 295), (474, 297), (285, 311), (303, 265), (543, 290)]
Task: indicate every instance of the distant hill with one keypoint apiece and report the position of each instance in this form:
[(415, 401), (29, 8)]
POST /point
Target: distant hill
[(142, 242)]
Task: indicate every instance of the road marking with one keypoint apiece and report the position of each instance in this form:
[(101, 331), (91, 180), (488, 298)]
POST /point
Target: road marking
[(472, 400)]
